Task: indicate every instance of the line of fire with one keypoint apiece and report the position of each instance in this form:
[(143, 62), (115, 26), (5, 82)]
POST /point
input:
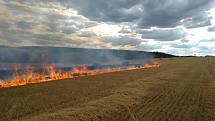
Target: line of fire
[(31, 75)]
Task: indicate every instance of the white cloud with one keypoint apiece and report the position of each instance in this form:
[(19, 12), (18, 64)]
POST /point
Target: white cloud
[(212, 14)]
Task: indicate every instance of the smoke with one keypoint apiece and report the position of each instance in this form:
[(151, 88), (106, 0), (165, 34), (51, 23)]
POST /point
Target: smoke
[(65, 58)]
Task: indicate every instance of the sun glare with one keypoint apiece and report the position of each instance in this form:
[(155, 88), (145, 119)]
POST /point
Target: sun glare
[(109, 30)]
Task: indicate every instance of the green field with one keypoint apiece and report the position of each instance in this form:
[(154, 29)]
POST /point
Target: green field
[(182, 89)]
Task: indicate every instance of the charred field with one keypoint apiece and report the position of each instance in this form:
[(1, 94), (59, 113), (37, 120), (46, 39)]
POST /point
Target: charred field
[(181, 89)]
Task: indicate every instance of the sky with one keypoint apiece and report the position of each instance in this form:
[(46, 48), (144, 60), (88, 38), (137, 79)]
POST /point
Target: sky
[(180, 27)]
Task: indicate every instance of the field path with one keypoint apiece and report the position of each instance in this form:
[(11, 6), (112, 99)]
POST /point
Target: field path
[(182, 89)]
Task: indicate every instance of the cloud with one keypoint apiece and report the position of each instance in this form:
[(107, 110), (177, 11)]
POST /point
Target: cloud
[(163, 34), (4, 25), (211, 29), (126, 29), (172, 26), (86, 34), (111, 10), (150, 46), (147, 13), (199, 20), (181, 46), (24, 25), (168, 13), (43, 25), (123, 41)]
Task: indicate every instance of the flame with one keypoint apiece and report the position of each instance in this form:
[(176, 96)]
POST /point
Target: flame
[(31, 76)]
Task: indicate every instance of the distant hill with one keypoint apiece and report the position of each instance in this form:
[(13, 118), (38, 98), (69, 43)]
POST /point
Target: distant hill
[(71, 55), (162, 55)]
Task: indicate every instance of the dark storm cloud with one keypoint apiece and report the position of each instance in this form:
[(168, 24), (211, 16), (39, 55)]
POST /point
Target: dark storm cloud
[(106, 10), (167, 13), (102, 10), (160, 13), (163, 34)]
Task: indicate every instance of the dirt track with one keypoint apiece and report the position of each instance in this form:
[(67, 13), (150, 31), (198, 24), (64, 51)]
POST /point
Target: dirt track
[(182, 89)]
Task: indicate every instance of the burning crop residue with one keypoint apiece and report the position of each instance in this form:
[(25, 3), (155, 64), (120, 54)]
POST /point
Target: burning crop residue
[(30, 75)]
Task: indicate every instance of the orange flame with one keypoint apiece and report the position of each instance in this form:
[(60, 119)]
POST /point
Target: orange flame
[(30, 76)]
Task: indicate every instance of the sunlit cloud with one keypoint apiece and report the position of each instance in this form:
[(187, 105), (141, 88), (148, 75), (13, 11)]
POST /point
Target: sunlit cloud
[(176, 27)]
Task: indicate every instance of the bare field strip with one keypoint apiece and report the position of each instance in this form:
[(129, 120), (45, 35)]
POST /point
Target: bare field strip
[(182, 89)]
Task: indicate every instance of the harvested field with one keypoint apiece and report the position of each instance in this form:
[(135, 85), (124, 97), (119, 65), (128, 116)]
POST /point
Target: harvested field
[(182, 89)]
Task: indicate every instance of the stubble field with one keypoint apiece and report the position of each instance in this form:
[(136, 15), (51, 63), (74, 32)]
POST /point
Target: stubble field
[(181, 89)]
